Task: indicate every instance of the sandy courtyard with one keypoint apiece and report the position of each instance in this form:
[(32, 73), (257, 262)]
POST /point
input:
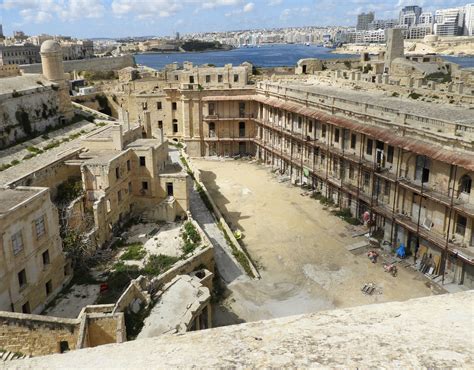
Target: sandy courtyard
[(299, 247)]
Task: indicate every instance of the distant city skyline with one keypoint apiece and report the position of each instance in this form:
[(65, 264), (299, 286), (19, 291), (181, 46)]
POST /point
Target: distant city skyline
[(121, 18)]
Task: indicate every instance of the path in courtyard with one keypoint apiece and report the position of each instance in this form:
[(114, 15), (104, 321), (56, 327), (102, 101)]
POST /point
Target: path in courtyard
[(301, 247), (228, 270)]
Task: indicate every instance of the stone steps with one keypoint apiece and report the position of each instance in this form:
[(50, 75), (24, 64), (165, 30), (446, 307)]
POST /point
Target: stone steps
[(10, 356)]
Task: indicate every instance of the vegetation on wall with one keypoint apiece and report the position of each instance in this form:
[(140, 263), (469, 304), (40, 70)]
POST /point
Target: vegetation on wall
[(103, 104), (24, 120), (439, 77), (69, 190), (99, 75)]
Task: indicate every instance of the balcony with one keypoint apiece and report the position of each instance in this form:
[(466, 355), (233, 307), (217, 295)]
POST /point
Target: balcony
[(235, 117)]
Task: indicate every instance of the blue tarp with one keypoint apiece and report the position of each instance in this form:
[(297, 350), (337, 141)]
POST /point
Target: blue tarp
[(401, 251)]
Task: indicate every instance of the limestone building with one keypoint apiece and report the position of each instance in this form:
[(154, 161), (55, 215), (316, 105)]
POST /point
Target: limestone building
[(33, 268), (33, 103), (409, 164), (176, 102), (124, 175)]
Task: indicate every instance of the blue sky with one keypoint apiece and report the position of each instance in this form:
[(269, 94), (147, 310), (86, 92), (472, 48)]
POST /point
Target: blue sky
[(117, 18)]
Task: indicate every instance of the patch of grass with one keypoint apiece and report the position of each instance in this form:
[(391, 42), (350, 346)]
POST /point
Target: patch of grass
[(15, 162), (395, 94), (51, 145), (100, 124), (346, 215), (134, 252), (414, 95), (325, 201), (204, 198), (74, 136), (439, 77), (4, 166), (34, 149), (240, 256), (191, 238), (157, 264)]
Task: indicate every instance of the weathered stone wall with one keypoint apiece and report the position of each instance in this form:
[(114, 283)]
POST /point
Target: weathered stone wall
[(51, 175), (94, 64), (105, 329), (134, 293), (203, 257), (24, 113), (36, 335)]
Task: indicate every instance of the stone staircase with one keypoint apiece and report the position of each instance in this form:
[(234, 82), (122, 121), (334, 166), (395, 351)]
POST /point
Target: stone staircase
[(10, 356)]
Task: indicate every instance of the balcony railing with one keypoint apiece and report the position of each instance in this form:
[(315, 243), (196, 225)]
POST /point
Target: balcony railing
[(236, 116)]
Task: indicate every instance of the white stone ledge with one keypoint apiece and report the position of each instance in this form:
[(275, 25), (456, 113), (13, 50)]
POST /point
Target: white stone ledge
[(428, 332)]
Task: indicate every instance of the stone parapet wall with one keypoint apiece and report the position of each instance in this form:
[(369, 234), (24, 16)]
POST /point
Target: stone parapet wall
[(94, 64), (36, 335), (430, 332)]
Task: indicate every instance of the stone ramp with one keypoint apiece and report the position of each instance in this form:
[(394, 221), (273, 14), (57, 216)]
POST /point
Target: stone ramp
[(228, 269)]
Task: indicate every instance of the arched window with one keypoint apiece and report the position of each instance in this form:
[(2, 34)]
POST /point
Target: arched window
[(465, 184)]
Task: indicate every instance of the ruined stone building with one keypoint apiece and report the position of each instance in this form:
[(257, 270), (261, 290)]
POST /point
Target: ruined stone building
[(175, 99), (408, 163), (33, 268), (125, 175)]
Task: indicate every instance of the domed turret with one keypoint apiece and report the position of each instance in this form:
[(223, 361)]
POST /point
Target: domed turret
[(50, 46), (52, 61)]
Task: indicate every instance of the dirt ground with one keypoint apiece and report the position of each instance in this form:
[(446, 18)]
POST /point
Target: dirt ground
[(299, 247)]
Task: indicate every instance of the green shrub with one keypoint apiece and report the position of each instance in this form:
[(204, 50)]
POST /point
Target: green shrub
[(69, 190), (414, 95), (5, 166), (157, 264), (51, 145), (34, 150), (15, 162), (134, 252)]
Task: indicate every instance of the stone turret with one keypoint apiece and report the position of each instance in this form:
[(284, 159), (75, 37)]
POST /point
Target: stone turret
[(53, 70), (52, 61)]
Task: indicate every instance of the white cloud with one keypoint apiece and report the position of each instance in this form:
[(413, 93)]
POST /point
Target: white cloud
[(274, 2), (211, 4), (248, 7), (142, 9), (290, 13), (42, 11)]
